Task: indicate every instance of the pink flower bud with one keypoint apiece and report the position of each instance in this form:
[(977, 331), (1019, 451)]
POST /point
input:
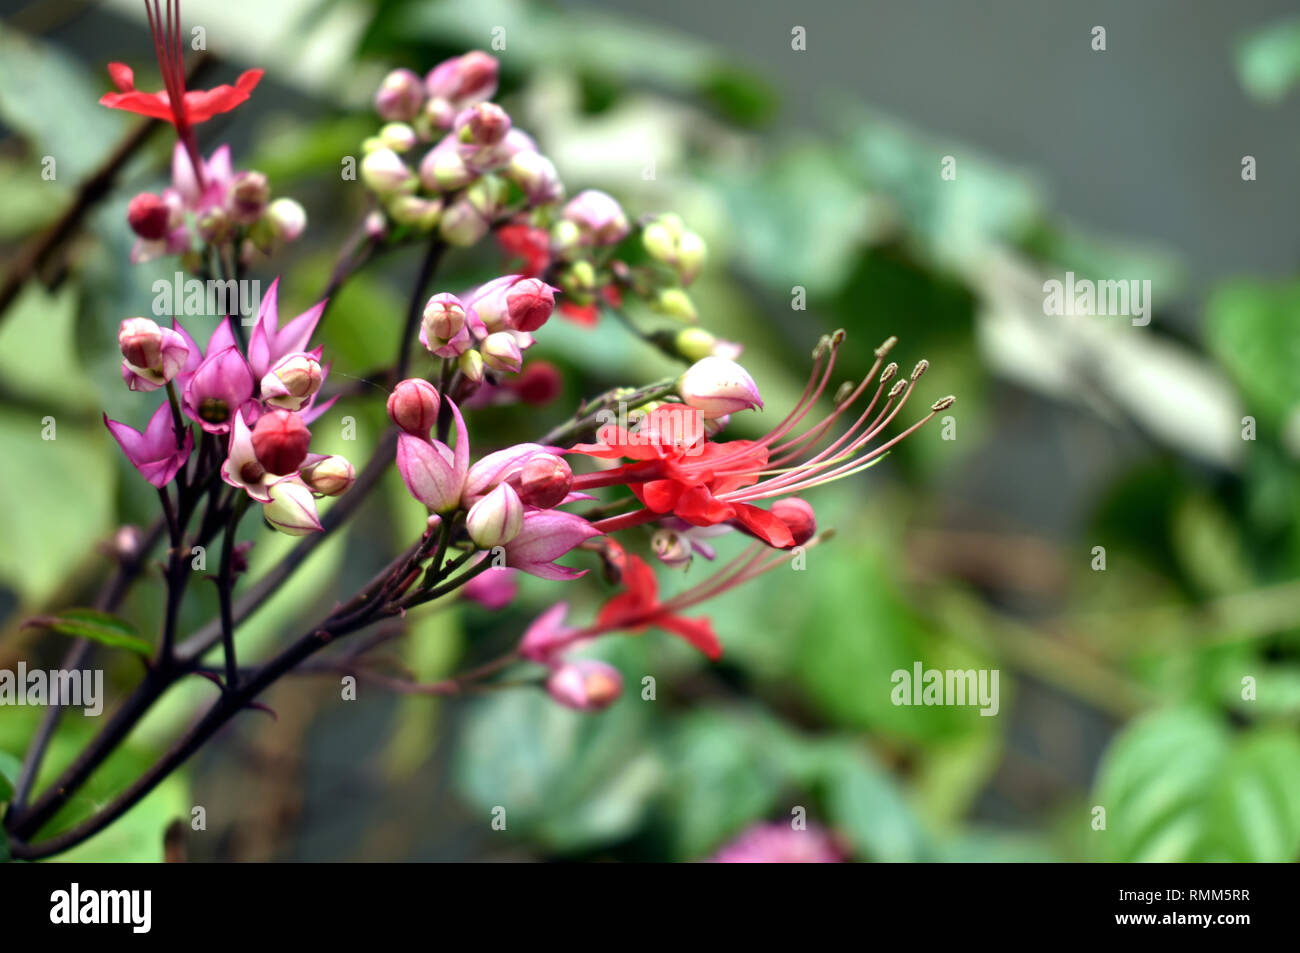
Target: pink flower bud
[(286, 218), (292, 509), (291, 381), (414, 211), (599, 218), (461, 224), (501, 352), (443, 170), (148, 216), (329, 477), (400, 96), (798, 517), (536, 175), (497, 518), (444, 328), (463, 80), (544, 481), (413, 406), (514, 302), (384, 171), (247, 197), (484, 124), (280, 441), (152, 355), (716, 386), (585, 685)]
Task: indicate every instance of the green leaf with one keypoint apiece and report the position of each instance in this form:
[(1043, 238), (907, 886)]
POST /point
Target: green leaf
[(1179, 786), (1251, 327), (866, 805), (101, 627)]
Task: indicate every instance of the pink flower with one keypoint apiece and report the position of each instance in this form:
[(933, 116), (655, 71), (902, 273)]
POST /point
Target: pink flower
[(269, 342), (546, 536), (781, 844), (219, 388), (492, 589), (241, 468), (434, 473), (153, 453)]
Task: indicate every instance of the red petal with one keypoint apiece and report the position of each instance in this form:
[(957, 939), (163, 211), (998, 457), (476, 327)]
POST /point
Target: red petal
[(143, 104), (660, 495), (698, 632), (699, 507), (202, 104), (771, 529), (585, 314)]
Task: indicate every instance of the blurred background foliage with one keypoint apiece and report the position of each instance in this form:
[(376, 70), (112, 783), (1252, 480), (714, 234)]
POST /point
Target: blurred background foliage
[(1121, 688)]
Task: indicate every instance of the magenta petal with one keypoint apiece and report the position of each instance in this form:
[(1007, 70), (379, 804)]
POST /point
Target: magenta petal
[(153, 453), (546, 633), (428, 473), (546, 536)]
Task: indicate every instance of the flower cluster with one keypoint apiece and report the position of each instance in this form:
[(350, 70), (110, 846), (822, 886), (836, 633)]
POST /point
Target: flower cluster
[(257, 407), (211, 205), (450, 159)]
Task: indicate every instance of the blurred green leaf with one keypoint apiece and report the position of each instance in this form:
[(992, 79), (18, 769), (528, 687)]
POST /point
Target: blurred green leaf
[(1268, 61), (50, 98), (1251, 327), (1178, 786), (865, 804), (10, 768), (102, 627)]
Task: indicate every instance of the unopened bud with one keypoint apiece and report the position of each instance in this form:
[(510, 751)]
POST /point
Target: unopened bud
[(544, 481), (536, 175), (471, 366), (286, 218), (148, 216), (248, 196), (330, 477), (398, 136), (417, 212), (497, 518), (676, 303), (585, 685), (716, 386), (292, 509), (384, 172), (798, 517), (483, 124), (461, 224), (280, 441), (501, 352), (413, 406), (443, 170), (400, 96), (292, 381)]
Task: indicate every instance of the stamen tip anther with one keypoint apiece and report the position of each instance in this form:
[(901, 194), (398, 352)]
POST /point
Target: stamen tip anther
[(897, 389), (943, 403), (921, 367), (887, 346), (890, 370)]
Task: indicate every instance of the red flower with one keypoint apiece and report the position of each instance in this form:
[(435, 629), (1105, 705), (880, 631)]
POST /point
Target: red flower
[(173, 103), (678, 471), (589, 314), (688, 478), (528, 245), (198, 105), (638, 607)]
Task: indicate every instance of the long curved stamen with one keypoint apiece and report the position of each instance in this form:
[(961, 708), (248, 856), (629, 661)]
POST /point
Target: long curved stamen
[(811, 394), (788, 483)]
